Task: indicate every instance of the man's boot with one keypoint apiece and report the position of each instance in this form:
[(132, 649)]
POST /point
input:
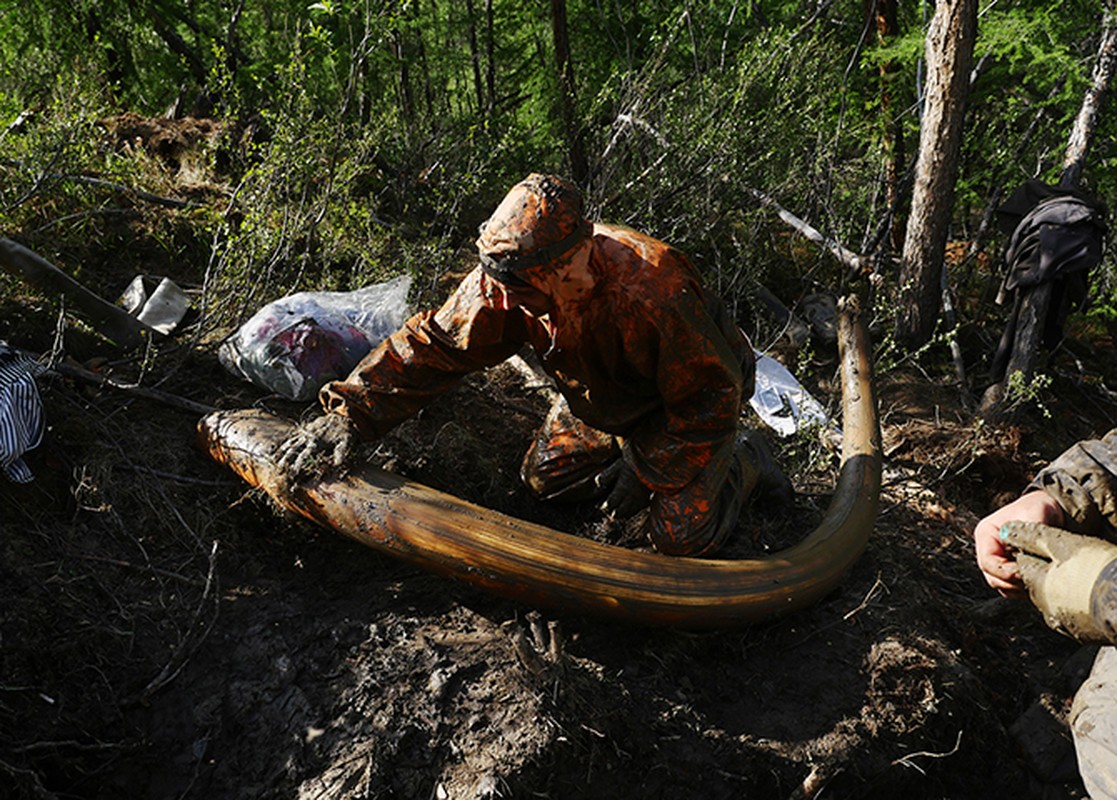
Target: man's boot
[(771, 484)]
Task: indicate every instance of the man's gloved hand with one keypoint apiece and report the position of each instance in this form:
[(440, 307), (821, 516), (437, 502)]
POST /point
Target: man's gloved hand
[(1072, 579), (627, 496), (324, 442)]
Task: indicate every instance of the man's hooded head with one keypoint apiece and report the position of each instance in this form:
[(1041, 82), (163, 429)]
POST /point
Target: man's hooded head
[(538, 222)]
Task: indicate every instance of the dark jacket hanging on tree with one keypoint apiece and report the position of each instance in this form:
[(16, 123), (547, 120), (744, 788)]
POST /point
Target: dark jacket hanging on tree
[(1057, 236)]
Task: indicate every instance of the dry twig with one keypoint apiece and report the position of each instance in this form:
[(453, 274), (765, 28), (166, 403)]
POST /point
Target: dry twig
[(186, 646)]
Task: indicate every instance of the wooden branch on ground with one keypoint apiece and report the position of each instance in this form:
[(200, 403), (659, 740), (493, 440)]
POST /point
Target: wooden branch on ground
[(75, 372), (169, 202), (112, 321)]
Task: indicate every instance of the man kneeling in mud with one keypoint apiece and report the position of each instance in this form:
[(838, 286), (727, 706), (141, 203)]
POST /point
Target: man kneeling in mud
[(650, 369)]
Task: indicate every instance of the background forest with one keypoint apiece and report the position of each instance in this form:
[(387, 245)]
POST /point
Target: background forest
[(164, 633), (361, 139)]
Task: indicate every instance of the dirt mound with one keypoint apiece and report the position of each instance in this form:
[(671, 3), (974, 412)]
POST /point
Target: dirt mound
[(193, 150)]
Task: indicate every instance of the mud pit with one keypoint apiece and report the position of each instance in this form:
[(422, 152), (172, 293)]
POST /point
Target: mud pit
[(167, 634)]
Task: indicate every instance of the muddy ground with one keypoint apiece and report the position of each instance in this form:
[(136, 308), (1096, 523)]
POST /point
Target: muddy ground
[(167, 634)]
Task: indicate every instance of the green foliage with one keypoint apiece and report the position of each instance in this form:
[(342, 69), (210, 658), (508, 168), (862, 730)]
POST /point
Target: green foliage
[(696, 148), (1037, 44), (1020, 393), (59, 141), (386, 130)]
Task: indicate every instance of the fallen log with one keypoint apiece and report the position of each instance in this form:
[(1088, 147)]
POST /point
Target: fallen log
[(112, 321), (543, 567)]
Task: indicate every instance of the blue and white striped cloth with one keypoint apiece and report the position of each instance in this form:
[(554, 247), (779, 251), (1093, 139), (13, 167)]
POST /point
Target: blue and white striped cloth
[(21, 413)]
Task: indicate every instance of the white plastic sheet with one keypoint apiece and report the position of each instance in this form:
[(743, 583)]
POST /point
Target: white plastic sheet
[(781, 401)]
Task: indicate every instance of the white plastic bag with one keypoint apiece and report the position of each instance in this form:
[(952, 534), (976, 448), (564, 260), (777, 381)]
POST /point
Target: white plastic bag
[(161, 307), (298, 343), (781, 401)]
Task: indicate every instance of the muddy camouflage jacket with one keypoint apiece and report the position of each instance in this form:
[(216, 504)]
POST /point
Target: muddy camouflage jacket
[(650, 356), (1084, 481)]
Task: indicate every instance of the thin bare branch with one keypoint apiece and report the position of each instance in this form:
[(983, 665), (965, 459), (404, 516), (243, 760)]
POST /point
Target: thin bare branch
[(855, 262)]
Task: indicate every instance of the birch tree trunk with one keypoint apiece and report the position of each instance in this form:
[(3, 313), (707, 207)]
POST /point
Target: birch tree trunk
[(1087, 120), (950, 42)]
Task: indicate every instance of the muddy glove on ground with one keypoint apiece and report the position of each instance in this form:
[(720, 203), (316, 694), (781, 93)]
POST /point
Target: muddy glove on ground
[(628, 495), (324, 442), (1072, 579)]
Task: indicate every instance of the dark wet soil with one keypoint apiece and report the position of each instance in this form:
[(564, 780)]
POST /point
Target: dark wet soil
[(167, 633)]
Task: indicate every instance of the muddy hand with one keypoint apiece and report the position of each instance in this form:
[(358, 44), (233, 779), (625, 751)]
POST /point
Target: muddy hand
[(1072, 579), (324, 442)]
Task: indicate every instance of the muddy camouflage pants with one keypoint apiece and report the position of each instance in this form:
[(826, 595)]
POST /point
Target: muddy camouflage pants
[(1093, 721), (1084, 481), (568, 460)]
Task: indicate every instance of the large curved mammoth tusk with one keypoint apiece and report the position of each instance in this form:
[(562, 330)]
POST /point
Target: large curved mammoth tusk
[(536, 565)]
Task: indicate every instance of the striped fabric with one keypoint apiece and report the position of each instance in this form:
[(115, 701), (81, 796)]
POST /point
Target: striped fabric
[(21, 413)]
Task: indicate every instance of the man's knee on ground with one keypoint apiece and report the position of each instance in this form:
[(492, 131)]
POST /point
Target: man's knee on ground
[(570, 477)]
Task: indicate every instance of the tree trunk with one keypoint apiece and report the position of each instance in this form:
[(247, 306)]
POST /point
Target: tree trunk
[(490, 57), (882, 15), (403, 76), (950, 42), (475, 57), (231, 48), (566, 90), (179, 47), (1034, 303), (424, 62), (1087, 120)]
